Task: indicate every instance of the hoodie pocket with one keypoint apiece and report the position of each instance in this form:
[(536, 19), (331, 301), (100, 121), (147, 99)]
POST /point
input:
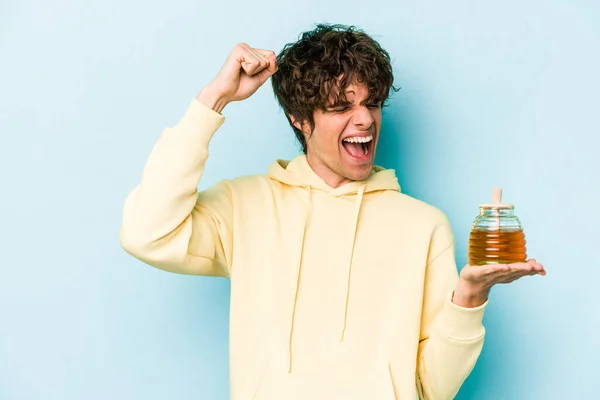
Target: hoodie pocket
[(380, 386)]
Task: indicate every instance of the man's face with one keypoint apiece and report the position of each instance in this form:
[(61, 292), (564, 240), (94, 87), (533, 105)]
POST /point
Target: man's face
[(342, 146)]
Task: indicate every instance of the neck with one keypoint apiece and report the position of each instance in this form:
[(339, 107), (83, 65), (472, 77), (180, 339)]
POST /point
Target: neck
[(330, 177)]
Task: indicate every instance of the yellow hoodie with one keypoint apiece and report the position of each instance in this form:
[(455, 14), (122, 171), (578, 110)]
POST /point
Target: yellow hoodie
[(335, 293)]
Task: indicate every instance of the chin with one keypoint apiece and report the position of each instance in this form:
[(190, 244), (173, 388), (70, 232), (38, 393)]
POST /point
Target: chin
[(359, 174)]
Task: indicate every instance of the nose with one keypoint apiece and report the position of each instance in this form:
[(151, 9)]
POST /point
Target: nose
[(362, 117)]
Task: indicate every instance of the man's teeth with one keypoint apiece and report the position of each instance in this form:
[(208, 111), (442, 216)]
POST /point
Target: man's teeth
[(366, 139)]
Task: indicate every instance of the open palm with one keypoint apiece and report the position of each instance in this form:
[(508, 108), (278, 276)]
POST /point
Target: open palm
[(486, 276)]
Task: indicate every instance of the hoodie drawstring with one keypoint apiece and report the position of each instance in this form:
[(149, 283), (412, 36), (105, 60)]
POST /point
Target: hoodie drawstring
[(359, 198), (306, 218), (361, 191)]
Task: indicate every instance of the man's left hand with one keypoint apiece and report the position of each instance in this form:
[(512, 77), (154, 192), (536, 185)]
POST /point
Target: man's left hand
[(476, 281)]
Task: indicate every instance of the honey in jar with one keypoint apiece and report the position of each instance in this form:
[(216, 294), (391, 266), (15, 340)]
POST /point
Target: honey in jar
[(497, 235)]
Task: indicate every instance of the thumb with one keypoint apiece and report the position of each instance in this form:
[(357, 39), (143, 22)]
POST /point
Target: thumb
[(269, 71)]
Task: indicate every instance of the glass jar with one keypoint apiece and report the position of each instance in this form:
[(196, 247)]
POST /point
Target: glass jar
[(497, 235)]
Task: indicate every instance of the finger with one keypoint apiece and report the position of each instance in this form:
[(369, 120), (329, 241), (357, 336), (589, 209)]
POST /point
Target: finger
[(264, 75), (536, 265), (270, 57), (263, 59), (513, 276), (539, 270), (259, 56), (520, 273), (500, 272), (265, 54), (507, 273), (251, 62), (539, 267), (248, 62), (522, 266), (256, 65)]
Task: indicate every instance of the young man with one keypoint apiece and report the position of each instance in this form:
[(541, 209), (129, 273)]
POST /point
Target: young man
[(342, 287)]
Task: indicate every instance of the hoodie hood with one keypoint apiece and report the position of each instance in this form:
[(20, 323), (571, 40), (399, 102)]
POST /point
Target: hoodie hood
[(298, 173)]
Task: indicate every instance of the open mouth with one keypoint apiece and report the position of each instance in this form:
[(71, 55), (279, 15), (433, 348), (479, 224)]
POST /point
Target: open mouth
[(358, 147)]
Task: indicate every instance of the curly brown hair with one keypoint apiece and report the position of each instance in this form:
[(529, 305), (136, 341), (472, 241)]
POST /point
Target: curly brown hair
[(309, 71)]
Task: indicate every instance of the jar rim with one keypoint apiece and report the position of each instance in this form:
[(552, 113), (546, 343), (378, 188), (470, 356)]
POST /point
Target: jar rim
[(497, 207)]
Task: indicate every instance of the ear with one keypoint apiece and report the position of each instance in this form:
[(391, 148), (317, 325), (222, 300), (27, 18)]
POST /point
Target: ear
[(296, 123), (307, 132)]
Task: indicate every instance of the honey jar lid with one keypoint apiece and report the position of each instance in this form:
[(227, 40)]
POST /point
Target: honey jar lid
[(497, 200)]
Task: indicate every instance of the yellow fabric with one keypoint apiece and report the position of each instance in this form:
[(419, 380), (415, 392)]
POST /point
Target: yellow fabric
[(338, 293)]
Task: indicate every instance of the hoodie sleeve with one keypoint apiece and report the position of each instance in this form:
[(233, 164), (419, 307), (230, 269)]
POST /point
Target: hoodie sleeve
[(166, 222), (451, 336)]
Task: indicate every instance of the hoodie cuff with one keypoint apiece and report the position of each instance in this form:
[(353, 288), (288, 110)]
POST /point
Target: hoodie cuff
[(461, 323), (200, 120)]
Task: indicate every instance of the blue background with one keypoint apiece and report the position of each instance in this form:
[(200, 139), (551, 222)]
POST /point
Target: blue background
[(493, 94)]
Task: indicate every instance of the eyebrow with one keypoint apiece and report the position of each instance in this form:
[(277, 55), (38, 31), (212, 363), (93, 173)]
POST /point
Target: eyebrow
[(342, 103)]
